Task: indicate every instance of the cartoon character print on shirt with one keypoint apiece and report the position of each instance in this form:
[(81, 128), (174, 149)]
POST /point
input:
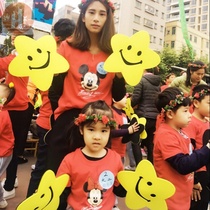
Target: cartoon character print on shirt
[(96, 189), (90, 81)]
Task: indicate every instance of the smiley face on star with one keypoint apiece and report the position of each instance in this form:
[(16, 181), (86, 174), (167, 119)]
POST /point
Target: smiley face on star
[(37, 59), (131, 56)]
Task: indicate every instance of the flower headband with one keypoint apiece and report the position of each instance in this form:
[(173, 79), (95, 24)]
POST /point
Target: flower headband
[(203, 92), (172, 103), (110, 4), (196, 65), (95, 118)]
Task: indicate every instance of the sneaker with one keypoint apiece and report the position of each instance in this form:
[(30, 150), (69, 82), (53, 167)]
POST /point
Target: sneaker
[(33, 166), (9, 194), (15, 185), (3, 204), (130, 168), (115, 208), (22, 160)]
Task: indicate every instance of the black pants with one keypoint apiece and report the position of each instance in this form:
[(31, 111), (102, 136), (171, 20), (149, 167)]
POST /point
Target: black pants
[(41, 162), (202, 204), (58, 147), (20, 127)]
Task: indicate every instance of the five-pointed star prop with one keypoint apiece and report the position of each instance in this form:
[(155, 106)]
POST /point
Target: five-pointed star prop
[(37, 59), (131, 56), (144, 188), (48, 194)]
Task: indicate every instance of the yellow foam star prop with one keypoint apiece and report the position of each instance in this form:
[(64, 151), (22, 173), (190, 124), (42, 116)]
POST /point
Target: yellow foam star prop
[(131, 56), (128, 108), (144, 188), (37, 59), (141, 121), (48, 194)]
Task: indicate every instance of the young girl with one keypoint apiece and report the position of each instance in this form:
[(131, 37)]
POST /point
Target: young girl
[(174, 158), (92, 167), (86, 79), (7, 93), (196, 128)]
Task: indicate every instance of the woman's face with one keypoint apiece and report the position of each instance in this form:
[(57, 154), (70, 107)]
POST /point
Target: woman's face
[(197, 76), (95, 17)]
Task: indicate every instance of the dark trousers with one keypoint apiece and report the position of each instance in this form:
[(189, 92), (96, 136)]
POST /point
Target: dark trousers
[(58, 147), (20, 127), (202, 204), (41, 162)]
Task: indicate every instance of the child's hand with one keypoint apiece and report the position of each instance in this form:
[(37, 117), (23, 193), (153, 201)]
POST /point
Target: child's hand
[(196, 192), (133, 128)]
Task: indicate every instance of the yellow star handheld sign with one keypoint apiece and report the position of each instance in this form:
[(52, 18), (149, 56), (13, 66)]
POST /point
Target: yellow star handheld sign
[(48, 194), (37, 59), (131, 56), (144, 188)]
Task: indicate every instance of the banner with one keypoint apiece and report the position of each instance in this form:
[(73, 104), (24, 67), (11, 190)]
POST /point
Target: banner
[(43, 12), (184, 28)]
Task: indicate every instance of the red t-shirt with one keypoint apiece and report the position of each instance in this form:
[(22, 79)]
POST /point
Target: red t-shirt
[(45, 112), (167, 143), (195, 130), (6, 135), (20, 101), (91, 181), (85, 81), (116, 143)]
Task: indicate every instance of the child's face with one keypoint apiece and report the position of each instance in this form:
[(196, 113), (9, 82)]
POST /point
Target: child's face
[(122, 103), (203, 107), (181, 117), (96, 136)]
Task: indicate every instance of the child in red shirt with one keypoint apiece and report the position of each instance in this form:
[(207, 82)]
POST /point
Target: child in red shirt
[(196, 128), (174, 158), (91, 166), (7, 93)]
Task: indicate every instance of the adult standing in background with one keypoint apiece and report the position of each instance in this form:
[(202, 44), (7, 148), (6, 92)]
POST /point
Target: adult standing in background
[(143, 99), (194, 75), (62, 30)]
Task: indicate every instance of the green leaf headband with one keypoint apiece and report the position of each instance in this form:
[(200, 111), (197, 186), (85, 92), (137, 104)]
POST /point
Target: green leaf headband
[(173, 103), (203, 92)]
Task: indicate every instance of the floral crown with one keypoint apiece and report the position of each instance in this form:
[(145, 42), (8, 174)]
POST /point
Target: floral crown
[(110, 4), (95, 118), (203, 92), (196, 65), (173, 103)]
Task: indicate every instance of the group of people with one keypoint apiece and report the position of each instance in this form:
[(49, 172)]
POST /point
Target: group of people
[(81, 122)]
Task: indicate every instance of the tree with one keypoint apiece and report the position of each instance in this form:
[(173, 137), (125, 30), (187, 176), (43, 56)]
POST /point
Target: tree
[(184, 57)]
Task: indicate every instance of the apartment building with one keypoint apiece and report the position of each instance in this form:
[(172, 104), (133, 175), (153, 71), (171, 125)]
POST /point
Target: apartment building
[(135, 15), (196, 12), (174, 39)]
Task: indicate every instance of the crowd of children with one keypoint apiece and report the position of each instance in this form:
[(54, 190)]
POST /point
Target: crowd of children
[(84, 139)]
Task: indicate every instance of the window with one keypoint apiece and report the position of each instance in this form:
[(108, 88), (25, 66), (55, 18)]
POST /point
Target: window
[(138, 4), (192, 20), (137, 19), (205, 9), (193, 11), (204, 17), (195, 39), (190, 37), (204, 26), (162, 15), (154, 39), (172, 44), (155, 25), (156, 12), (149, 9), (161, 28), (68, 12), (173, 30), (148, 23), (160, 42), (207, 44), (168, 32)]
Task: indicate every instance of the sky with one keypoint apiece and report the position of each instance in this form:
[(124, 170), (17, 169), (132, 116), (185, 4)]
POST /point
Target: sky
[(74, 3)]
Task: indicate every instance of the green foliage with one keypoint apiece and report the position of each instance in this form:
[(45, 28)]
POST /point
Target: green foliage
[(184, 57)]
